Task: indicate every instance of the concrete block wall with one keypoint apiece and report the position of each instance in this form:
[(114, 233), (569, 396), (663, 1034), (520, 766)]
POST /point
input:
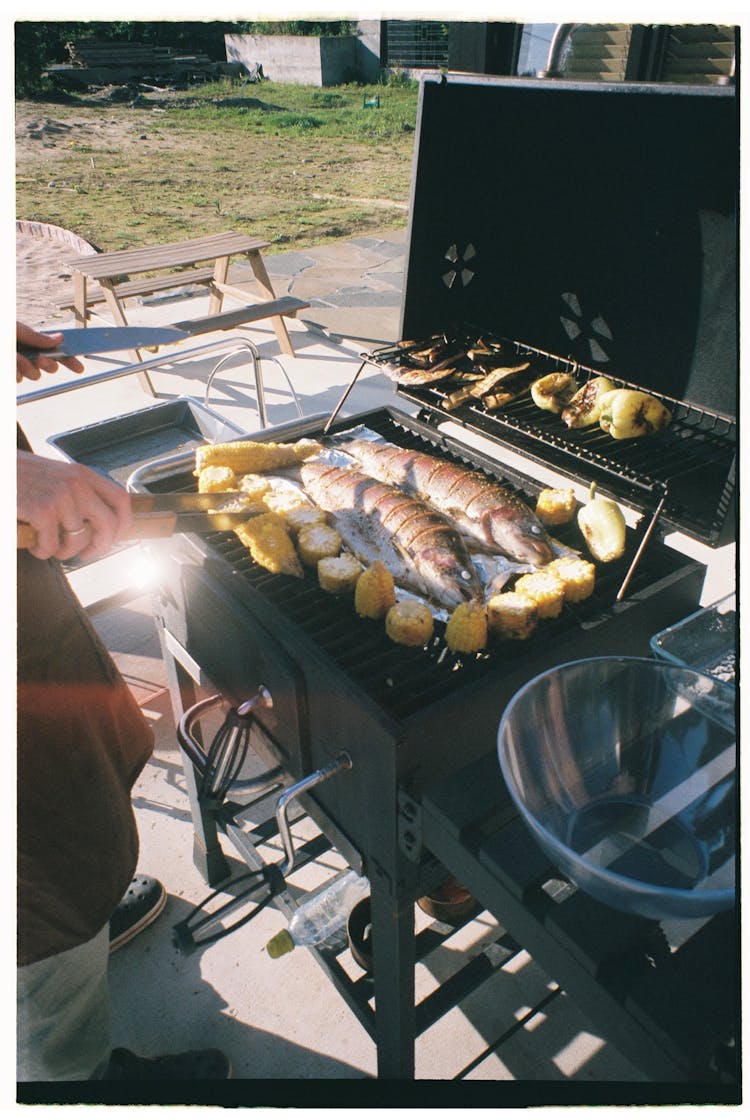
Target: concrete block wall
[(369, 49), (298, 59)]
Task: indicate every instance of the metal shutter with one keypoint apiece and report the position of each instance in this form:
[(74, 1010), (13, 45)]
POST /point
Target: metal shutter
[(698, 54)]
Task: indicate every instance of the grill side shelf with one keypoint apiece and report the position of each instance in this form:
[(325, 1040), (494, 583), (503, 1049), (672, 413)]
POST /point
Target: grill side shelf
[(666, 1011)]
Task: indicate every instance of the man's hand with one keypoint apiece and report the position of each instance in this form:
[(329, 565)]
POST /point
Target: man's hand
[(74, 510), (31, 369)]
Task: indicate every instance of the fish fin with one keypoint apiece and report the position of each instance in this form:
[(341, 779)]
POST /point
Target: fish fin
[(561, 549)]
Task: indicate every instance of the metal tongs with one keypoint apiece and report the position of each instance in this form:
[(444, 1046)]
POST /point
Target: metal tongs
[(163, 515), (219, 770)]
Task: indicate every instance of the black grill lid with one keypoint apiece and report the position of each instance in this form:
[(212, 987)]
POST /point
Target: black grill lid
[(592, 221)]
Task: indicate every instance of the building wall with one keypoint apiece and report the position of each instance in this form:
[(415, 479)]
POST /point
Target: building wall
[(338, 59), (368, 49), (475, 47), (298, 59)]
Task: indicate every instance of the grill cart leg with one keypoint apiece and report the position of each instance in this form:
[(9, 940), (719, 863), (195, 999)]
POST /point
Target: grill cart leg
[(393, 975), (208, 856)]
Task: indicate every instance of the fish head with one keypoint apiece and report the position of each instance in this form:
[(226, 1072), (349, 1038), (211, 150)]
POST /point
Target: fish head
[(523, 538), (448, 580)]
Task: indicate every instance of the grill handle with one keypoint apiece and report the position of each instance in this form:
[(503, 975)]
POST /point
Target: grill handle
[(336, 766)]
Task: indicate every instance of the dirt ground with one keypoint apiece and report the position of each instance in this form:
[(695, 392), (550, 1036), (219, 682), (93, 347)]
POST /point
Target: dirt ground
[(80, 167), (43, 281), (38, 130)]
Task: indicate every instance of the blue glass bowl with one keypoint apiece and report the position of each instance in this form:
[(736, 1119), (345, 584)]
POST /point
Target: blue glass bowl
[(624, 770)]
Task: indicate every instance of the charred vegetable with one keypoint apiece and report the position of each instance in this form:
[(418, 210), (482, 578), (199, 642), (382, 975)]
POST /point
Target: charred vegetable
[(512, 615), (630, 413), (424, 376), (554, 391), (603, 526), (479, 389), (584, 409)]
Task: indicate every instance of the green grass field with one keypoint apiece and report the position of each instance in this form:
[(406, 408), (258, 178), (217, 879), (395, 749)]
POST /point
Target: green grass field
[(294, 164)]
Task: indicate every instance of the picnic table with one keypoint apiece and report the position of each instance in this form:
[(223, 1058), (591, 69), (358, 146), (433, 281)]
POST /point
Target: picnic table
[(119, 276)]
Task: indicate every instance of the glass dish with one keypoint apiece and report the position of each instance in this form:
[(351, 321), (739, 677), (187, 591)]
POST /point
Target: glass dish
[(623, 769)]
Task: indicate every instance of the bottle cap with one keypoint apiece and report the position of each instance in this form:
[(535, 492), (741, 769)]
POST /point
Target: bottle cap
[(279, 944)]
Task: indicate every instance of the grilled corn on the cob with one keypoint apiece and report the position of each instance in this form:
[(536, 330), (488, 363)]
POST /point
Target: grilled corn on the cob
[(556, 507), (249, 456), (375, 592), (510, 615), (269, 544), (254, 485), (546, 589), (466, 630), (302, 516), (339, 574), (216, 479), (409, 623), (316, 542), (577, 574), (285, 499)]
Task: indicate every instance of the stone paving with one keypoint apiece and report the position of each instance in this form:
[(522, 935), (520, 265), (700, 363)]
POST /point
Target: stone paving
[(346, 283)]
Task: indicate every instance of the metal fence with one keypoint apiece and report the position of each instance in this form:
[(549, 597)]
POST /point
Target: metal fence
[(416, 43)]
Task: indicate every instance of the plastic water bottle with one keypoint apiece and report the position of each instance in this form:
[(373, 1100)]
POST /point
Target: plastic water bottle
[(321, 915)]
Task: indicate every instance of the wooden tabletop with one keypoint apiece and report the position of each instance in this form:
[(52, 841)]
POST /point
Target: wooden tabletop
[(173, 254)]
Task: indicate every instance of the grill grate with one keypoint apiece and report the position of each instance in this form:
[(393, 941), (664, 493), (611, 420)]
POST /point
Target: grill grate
[(692, 461), (403, 680)]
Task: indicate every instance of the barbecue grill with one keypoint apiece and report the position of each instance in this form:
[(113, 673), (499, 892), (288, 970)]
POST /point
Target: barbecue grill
[(596, 226)]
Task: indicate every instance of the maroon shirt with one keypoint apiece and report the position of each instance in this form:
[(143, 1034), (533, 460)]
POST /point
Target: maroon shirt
[(82, 742)]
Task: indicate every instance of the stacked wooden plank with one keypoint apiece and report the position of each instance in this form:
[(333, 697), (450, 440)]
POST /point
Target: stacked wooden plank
[(91, 53), (93, 62)]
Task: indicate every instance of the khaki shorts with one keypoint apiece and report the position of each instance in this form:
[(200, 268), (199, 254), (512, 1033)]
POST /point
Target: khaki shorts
[(63, 1014)]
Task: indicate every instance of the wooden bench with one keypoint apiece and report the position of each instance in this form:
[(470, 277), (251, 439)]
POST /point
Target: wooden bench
[(111, 269), (131, 288), (228, 320)]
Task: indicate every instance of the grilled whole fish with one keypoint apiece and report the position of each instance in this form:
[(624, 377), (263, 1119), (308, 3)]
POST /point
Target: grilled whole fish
[(486, 512), (421, 548)]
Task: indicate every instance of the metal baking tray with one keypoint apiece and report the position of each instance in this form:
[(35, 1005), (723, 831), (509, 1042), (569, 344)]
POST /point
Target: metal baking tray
[(119, 446), (705, 640)]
